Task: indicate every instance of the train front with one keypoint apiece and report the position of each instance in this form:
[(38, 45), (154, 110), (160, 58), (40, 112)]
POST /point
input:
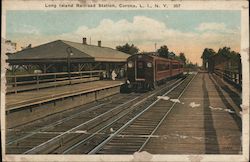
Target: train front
[(140, 76)]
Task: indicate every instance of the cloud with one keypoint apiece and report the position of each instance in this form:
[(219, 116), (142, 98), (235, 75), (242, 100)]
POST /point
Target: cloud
[(26, 29), (216, 27), (144, 32), (211, 26), (140, 29)]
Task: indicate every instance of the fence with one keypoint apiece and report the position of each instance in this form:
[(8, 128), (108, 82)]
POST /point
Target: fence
[(17, 83), (231, 76)]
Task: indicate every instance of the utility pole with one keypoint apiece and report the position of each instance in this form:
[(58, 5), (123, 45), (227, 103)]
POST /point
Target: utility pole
[(70, 53)]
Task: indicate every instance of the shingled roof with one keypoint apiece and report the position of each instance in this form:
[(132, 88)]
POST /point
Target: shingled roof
[(56, 52)]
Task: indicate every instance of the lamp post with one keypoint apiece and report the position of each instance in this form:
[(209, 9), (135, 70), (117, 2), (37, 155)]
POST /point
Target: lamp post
[(70, 53)]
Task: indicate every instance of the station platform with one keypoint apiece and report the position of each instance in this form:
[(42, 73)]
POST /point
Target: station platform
[(206, 121), (31, 97), (28, 106)]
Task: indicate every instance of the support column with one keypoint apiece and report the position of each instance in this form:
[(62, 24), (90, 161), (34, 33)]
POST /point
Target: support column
[(240, 70), (44, 68)]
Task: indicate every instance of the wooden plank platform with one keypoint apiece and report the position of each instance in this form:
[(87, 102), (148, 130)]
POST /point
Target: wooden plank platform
[(32, 97), (207, 121)]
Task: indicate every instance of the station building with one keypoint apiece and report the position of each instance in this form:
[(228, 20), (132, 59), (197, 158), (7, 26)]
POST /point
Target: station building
[(62, 56)]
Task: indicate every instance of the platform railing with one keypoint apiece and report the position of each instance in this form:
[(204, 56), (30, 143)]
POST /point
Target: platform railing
[(27, 81), (231, 76)]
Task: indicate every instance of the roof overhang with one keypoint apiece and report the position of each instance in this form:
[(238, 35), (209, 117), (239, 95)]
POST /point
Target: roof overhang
[(48, 61)]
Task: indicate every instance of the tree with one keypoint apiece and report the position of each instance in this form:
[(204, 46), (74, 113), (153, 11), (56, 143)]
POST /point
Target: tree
[(233, 58), (183, 57), (163, 51), (225, 52), (228, 54), (207, 53), (235, 55), (129, 49)]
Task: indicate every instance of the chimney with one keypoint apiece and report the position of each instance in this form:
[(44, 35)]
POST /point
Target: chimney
[(99, 43), (84, 40)]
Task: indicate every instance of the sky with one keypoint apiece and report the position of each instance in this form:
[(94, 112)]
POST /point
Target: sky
[(186, 31)]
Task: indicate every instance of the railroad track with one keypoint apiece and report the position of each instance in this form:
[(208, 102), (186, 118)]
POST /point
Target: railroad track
[(135, 134), (100, 137), (19, 141), (87, 131)]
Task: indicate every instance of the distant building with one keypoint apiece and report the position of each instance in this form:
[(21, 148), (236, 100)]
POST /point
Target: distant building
[(10, 46)]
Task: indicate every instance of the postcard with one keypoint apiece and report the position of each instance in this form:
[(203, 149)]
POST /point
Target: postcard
[(105, 80)]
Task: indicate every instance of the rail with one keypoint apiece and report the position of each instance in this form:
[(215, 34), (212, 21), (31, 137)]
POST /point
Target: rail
[(118, 105), (16, 83), (147, 109), (232, 77)]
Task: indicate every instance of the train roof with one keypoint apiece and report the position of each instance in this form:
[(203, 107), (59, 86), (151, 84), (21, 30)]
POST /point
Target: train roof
[(154, 57)]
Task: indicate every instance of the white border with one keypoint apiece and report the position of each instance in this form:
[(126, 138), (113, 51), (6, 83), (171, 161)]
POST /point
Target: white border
[(185, 5)]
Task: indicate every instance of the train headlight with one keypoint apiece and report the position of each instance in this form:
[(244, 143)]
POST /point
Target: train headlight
[(130, 64), (149, 64)]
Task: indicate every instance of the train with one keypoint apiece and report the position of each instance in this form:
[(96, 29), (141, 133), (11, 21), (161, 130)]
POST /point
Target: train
[(146, 71)]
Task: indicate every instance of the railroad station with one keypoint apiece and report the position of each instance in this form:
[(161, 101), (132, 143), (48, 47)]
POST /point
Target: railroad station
[(70, 104), (52, 66), (67, 97), (62, 56)]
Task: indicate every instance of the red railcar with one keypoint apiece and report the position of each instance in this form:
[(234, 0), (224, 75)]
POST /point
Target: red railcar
[(146, 71)]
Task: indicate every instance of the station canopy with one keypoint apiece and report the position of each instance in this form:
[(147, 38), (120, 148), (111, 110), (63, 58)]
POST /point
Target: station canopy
[(56, 52)]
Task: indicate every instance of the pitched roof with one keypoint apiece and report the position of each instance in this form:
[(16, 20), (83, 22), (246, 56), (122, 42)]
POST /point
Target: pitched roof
[(57, 51), (99, 53)]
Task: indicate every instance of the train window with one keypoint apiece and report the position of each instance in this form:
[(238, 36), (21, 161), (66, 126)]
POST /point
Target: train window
[(149, 64), (130, 64), (140, 65), (162, 67), (175, 66)]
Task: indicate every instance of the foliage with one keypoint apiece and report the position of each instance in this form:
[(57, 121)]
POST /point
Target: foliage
[(208, 52), (232, 58), (129, 49), (224, 52), (228, 54), (163, 51), (190, 65), (183, 57)]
